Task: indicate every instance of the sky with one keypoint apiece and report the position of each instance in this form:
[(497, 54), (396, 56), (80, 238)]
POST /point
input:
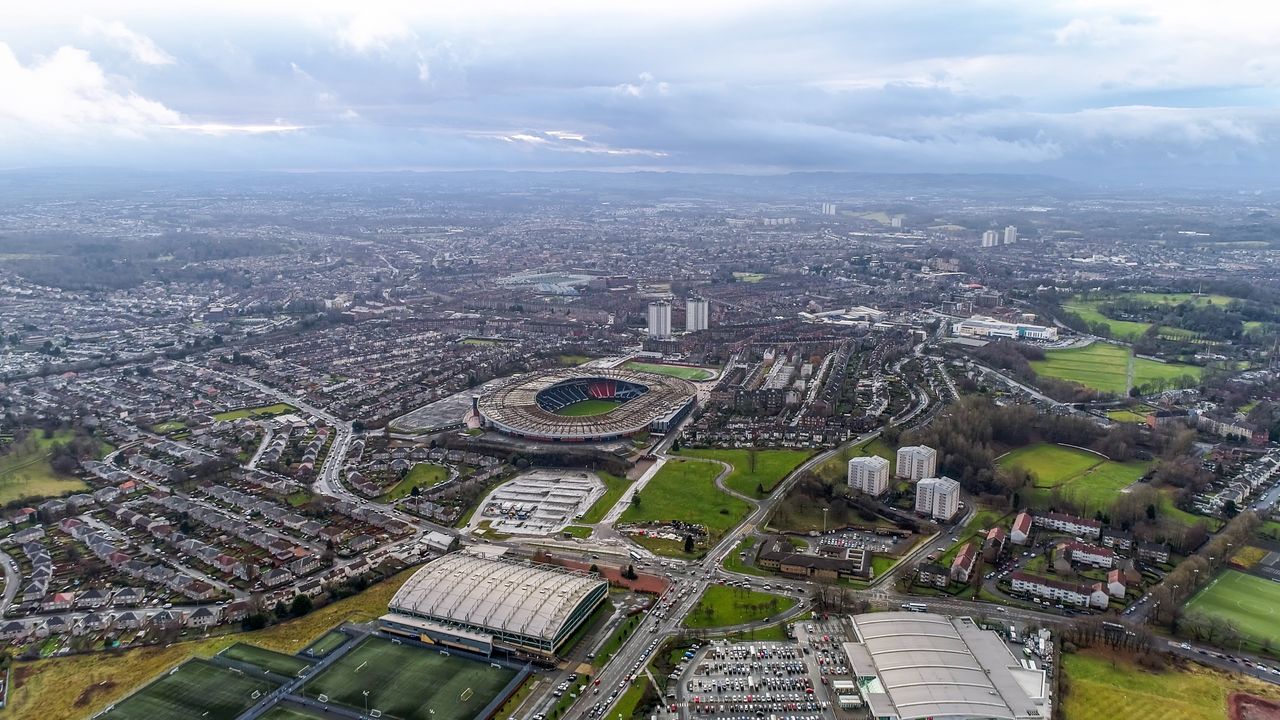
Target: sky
[(1115, 92)]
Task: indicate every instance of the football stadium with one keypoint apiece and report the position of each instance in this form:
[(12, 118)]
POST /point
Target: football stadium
[(481, 604), (586, 404)]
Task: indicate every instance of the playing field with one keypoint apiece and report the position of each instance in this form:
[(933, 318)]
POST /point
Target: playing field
[(409, 683), (1105, 367), (282, 712), (264, 411), (1082, 475), (327, 643), (680, 371), (278, 663), (195, 689), (1249, 602), (1087, 309), (766, 469), (685, 490), (586, 408)]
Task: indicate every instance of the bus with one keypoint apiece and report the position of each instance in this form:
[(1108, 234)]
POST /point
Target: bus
[(915, 607), (635, 555)]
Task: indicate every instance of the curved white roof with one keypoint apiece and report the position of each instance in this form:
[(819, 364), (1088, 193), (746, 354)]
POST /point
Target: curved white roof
[(509, 596)]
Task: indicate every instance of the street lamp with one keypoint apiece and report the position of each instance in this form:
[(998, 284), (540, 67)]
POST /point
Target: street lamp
[(366, 701), (824, 520)]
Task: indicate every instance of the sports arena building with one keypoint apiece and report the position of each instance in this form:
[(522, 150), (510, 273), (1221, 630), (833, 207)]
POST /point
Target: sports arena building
[(532, 406), (482, 604)]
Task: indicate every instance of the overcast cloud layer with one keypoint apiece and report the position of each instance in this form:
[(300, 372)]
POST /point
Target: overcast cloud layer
[(1107, 92)]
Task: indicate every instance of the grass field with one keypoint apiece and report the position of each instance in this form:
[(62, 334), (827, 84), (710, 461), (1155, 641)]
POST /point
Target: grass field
[(733, 563), (1105, 367), (409, 682), (1135, 415), (263, 411), (587, 408), (278, 663), (578, 531), (1104, 689), (423, 475), (197, 689), (748, 277), (1082, 475), (1087, 309), (25, 471), (614, 486), (722, 606), (280, 712), (771, 466), (836, 468), (1249, 602), (327, 643), (574, 359), (77, 686), (679, 371), (685, 490), (168, 427)]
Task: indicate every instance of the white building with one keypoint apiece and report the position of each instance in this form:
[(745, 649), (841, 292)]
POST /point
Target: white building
[(660, 319), (1010, 235), (869, 475), (990, 238), (981, 326), (1082, 595), (917, 462), (696, 314), (938, 497), (1070, 524)]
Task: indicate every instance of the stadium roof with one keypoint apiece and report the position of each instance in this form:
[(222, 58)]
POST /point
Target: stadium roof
[(508, 596), (928, 665)]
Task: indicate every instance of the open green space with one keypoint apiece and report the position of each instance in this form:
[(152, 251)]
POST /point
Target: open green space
[(685, 490), (588, 408), (614, 486), (409, 682), (196, 689), (748, 277), (679, 371), (1102, 687), (1249, 602), (327, 643), (165, 428), (578, 531), (753, 468), (573, 359), (1105, 367), (723, 606), (482, 342), (26, 473), (1136, 415), (836, 468), (1087, 309), (733, 562), (292, 712), (1081, 475), (422, 476), (278, 663), (255, 412)]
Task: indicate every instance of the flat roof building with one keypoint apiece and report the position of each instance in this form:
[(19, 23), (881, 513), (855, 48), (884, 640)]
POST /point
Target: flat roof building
[(916, 462), (923, 665), (869, 474), (468, 600)]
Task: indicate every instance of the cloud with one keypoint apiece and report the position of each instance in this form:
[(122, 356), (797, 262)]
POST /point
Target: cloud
[(69, 92), (222, 129), (140, 47), (567, 142), (370, 31)]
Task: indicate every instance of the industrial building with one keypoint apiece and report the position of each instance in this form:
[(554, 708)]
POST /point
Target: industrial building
[(869, 475), (484, 603), (981, 326), (939, 498), (917, 462), (922, 665)]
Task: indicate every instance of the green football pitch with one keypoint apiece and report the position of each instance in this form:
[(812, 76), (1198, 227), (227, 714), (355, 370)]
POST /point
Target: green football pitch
[(1249, 602), (409, 683), (278, 663), (195, 689), (585, 408)]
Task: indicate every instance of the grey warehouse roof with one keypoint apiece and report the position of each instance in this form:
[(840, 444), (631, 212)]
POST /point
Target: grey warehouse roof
[(505, 595), (933, 666)]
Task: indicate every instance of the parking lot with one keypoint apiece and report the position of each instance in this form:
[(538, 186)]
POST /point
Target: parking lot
[(762, 679), (861, 539)]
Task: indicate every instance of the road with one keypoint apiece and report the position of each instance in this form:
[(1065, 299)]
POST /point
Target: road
[(11, 580)]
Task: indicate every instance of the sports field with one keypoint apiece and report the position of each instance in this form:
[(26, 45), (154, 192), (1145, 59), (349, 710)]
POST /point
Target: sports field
[(685, 490), (586, 408), (278, 663), (409, 683), (1249, 602), (680, 371), (196, 689), (282, 712), (767, 470), (1082, 475), (327, 643), (1105, 367), (1102, 687), (255, 412)]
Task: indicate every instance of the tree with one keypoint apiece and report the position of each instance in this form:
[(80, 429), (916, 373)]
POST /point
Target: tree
[(688, 544), (300, 606), (635, 500), (629, 573)]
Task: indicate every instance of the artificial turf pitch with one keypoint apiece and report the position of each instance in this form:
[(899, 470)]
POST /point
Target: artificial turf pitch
[(278, 663), (1249, 602), (195, 689), (408, 683)]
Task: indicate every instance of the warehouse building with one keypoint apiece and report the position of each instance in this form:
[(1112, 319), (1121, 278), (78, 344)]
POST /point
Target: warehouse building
[(922, 665), (484, 603)]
